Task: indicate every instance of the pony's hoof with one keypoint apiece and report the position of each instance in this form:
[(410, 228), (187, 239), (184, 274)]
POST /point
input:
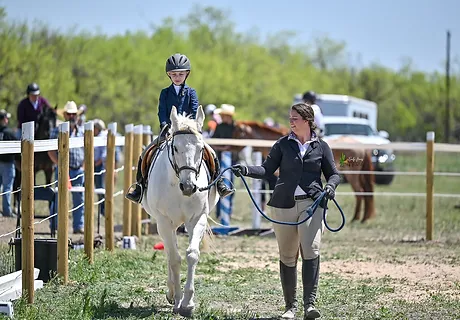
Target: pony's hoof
[(170, 298), (186, 311)]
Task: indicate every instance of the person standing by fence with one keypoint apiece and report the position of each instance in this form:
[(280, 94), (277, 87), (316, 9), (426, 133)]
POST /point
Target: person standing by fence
[(7, 171), (224, 130), (30, 107), (76, 161)]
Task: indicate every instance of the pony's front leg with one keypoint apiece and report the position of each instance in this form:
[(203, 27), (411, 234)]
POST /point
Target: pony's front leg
[(168, 233), (193, 255)]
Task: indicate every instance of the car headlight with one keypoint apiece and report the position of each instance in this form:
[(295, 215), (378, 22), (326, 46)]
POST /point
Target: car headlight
[(385, 155)]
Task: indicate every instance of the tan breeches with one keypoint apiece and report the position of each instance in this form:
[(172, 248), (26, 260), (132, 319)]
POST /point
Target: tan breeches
[(306, 236)]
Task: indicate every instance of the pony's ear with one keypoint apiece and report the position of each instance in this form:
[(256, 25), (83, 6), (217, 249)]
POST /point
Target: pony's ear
[(200, 118), (174, 119)]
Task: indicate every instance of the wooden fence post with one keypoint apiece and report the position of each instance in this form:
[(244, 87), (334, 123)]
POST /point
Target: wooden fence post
[(63, 202), (27, 212), (127, 178), (89, 191), (146, 140), (429, 185), (109, 186), (136, 208)]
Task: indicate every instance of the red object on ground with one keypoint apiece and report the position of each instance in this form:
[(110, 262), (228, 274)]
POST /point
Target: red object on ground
[(159, 246)]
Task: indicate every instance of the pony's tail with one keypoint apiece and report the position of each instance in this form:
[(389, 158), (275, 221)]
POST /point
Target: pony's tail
[(208, 240)]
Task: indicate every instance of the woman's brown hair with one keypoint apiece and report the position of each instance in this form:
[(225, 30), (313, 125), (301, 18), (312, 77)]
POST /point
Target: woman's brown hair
[(306, 112)]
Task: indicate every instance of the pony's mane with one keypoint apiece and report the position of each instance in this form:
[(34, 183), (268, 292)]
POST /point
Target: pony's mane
[(187, 123), (263, 126)]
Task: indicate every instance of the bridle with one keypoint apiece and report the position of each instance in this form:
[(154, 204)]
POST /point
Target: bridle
[(172, 159)]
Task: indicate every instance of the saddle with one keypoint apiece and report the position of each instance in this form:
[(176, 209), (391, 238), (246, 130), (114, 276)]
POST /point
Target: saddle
[(150, 156)]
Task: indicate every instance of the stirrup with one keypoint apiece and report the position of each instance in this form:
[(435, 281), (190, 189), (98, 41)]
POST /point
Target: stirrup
[(131, 188)]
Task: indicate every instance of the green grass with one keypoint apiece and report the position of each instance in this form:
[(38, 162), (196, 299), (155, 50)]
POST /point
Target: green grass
[(131, 285), (377, 270)]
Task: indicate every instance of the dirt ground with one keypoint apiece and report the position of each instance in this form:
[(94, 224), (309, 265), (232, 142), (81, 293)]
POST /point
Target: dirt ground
[(412, 280)]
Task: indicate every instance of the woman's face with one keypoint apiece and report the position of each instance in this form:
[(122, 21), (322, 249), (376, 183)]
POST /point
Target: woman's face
[(178, 77), (298, 125)]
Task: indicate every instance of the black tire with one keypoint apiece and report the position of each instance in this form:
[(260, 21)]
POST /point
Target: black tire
[(384, 179)]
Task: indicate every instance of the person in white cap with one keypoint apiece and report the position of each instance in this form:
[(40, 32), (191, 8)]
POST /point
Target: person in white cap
[(7, 172), (76, 161)]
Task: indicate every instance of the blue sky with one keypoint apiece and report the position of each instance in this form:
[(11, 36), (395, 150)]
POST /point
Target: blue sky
[(384, 31)]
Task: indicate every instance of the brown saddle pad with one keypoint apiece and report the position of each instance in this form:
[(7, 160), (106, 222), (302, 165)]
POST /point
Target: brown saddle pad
[(149, 156)]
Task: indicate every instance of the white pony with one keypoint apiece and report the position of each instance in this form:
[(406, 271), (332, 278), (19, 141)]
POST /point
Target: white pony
[(173, 198)]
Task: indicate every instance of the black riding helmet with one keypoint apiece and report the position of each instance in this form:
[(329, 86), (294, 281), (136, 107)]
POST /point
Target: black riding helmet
[(178, 62), (33, 88), (309, 96)]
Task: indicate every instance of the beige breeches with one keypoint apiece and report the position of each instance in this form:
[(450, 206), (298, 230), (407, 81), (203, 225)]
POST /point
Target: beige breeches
[(306, 236)]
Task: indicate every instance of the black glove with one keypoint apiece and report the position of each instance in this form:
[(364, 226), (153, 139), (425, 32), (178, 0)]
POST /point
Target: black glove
[(330, 192), (240, 170)]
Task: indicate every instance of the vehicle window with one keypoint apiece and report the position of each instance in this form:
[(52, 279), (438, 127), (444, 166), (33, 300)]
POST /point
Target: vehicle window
[(348, 128)]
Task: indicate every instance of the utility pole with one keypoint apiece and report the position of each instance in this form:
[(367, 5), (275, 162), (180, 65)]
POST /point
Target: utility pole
[(447, 120)]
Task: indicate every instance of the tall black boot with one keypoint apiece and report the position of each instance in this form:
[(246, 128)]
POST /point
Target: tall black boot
[(288, 277), (222, 188), (136, 194), (310, 278)]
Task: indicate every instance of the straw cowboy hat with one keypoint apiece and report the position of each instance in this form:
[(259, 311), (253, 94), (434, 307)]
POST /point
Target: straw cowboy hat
[(226, 109), (70, 107)]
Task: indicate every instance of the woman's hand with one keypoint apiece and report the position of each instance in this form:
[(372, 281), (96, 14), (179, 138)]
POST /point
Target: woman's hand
[(330, 192), (240, 170)]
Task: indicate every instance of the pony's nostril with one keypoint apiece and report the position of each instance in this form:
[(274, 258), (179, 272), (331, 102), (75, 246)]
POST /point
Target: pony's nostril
[(181, 186)]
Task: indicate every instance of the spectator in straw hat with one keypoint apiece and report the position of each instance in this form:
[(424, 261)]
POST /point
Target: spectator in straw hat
[(76, 158), (7, 171)]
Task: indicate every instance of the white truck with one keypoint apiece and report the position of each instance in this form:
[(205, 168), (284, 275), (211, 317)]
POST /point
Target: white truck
[(347, 106), (346, 115)]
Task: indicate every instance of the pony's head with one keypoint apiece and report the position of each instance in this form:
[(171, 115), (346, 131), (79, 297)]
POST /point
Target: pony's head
[(46, 122), (187, 149)]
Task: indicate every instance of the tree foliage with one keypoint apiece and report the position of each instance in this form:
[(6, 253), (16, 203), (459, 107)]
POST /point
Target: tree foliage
[(120, 77)]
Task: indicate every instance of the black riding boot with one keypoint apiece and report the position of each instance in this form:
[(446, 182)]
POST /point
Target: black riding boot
[(288, 277), (136, 194), (222, 188), (310, 278)]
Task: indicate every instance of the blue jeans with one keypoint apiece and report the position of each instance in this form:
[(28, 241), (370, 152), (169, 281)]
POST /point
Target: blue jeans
[(219, 206), (7, 174), (77, 199), (99, 182)]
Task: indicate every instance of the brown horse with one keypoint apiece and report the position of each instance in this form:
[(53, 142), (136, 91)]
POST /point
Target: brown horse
[(257, 130), (348, 160), (357, 160), (46, 122)]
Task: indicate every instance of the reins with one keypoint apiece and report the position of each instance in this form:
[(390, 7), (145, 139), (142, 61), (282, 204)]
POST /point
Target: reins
[(310, 211)]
